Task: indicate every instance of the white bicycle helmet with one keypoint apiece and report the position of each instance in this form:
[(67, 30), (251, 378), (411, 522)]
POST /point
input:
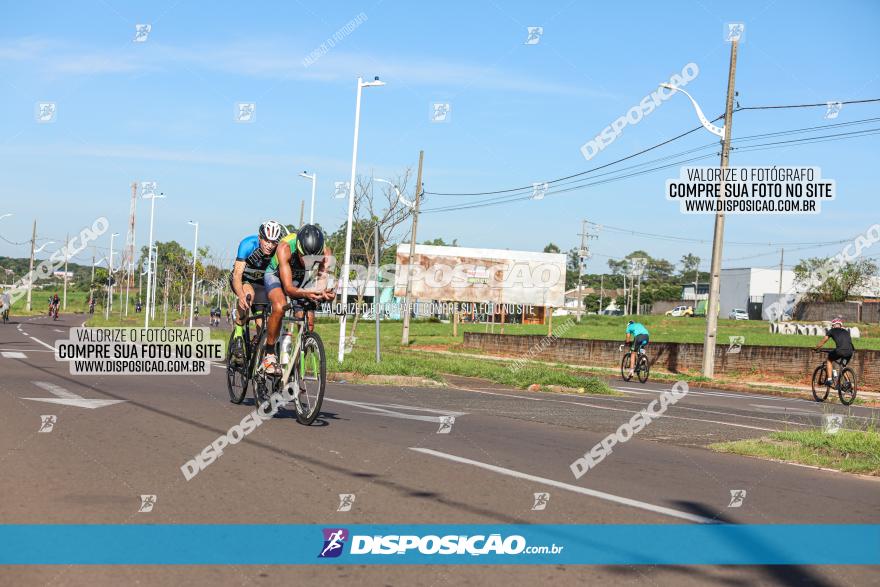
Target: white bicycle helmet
[(271, 231)]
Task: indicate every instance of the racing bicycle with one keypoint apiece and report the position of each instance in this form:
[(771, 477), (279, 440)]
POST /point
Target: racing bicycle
[(642, 369), (843, 380), (302, 362), (241, 372)]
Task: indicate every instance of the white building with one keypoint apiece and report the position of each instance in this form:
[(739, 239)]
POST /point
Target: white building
[(740, 286)]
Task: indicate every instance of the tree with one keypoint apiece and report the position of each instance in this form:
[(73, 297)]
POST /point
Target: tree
[(376, 204), (439, 242), (824, 285), (689, 264), (551, 248)]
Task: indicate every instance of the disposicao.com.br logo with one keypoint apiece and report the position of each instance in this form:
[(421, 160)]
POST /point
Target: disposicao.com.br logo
[(432, 544)]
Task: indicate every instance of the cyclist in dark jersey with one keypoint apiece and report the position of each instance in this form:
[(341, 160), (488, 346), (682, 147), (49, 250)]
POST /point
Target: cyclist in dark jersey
[(298, 270), (246, 280), (843, 346)]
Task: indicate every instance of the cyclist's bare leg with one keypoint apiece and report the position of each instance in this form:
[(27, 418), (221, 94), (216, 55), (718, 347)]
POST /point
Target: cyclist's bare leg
[(632, 360), (277, 299), (828, 368)]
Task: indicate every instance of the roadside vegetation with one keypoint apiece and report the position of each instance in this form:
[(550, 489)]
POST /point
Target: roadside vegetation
[(850, 451)]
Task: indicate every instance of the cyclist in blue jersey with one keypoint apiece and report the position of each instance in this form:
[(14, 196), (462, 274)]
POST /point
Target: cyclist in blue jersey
[(253, 256), (636, 332)]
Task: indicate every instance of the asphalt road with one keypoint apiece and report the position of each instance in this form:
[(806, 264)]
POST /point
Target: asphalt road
[(382, 444)]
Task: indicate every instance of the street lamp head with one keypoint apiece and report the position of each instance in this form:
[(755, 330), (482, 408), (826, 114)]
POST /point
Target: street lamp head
[(192, 222), (306, 175), (376, 82)]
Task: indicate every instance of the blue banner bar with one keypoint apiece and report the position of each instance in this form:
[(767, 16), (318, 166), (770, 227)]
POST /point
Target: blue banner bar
[(233, 544)]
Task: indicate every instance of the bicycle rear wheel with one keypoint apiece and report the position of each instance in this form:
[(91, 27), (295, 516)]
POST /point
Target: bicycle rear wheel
[(642, 368), (846, 386), (311, 377), (624, 368), (820, 390)]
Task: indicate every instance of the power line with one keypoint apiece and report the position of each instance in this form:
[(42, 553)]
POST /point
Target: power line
[(498, 200), (651, 148), (823, 104)]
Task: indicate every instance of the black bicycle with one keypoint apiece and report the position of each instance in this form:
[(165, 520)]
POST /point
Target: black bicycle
[(6, 316), (240, 371), (843, 380), (642, 369)]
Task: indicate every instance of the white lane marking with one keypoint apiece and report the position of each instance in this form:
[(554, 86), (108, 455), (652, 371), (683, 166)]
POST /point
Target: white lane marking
[(50, 347), (381, 411), (56, 390), (13, 355), (784, 410), (586, 405), (657, 509), (29, 350), (58, 330), (68, 398)]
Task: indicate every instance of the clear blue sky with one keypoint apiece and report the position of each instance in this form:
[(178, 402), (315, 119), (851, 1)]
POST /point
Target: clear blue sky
[(163, 110)]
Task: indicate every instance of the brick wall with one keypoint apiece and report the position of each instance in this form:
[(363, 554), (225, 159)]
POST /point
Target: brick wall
[(819, 311), (755, 361)]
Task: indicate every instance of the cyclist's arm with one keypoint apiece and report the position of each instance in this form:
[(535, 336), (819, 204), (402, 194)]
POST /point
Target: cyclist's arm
[(821, 344), (285, 274), (237, 273), (324, 275)]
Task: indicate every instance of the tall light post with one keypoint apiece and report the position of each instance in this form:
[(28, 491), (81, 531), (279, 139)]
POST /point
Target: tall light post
[(110, 279), (345, 267), (718, 238), (152, 197), (192, 293), (314, 178)]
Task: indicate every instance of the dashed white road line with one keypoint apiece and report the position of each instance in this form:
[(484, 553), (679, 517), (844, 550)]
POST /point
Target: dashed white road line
[(657, 509), (630, 411), (13, 355)]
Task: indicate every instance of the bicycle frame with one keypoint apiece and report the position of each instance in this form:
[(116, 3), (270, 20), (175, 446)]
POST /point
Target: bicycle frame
[(288, 324)]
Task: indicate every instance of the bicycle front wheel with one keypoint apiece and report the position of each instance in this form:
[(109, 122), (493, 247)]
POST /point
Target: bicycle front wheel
[(820, 390), (846, 386), (642, 368), (311, 379), (236, 374), (624, 368)]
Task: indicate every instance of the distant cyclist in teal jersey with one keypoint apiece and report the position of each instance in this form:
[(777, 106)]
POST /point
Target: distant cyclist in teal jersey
[(636, 332)]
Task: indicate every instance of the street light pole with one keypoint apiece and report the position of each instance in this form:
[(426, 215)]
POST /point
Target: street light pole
[(711, 336), (345, 267), (314, 178), (192, 293), (110, 279), (30, 278), (150, 278)]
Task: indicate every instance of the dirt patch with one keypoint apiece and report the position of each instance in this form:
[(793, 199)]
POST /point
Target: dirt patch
[(400, 380)]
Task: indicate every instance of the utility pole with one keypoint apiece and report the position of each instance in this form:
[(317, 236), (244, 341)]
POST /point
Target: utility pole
[(31, 270), (377, 292), (302, 208), (583, 255), (412, 253), (601, 290), (639, 297), (93, 266), (66, 257), (781, 257), (718, 238), (625, 294)]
